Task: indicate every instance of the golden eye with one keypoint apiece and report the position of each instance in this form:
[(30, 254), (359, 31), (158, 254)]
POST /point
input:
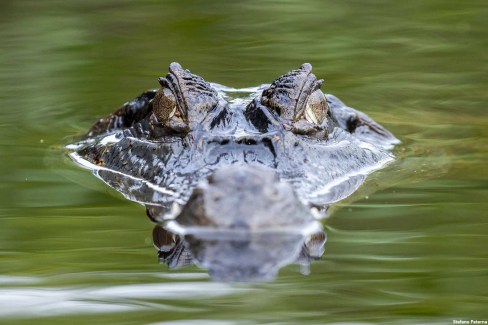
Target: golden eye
[(164, 105), (316, 108)]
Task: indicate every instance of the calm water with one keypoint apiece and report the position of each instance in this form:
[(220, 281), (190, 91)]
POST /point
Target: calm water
[(409, 247)]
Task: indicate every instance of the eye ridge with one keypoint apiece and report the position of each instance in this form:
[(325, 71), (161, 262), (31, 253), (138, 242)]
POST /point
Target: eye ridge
[(289, 94), (190, 94)]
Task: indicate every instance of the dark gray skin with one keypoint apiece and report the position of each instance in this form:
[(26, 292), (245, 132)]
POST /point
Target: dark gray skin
[(240, 198), (241, 181), (246, 236), (156, 148)]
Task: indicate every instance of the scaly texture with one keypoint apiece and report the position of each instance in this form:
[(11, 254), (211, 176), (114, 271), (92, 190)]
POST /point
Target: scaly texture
[(288, 95), (194, 96)]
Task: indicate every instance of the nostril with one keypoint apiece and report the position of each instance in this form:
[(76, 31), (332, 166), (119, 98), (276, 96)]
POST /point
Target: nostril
[(247, 141), (218, 141)]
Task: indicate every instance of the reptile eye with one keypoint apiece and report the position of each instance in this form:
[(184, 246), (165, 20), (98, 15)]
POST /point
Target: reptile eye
[(316, 107), (164, 105)]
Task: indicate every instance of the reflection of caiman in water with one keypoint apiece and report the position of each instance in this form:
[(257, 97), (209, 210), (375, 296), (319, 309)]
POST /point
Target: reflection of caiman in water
[(242, 178)]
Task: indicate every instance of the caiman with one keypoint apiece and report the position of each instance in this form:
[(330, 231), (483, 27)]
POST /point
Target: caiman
[(217, 160)]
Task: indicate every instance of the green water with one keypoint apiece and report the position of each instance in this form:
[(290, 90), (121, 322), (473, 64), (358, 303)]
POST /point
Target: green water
[(409, 247)]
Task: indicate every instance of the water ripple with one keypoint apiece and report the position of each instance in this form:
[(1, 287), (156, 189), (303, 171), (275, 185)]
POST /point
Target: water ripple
[(51, 301)]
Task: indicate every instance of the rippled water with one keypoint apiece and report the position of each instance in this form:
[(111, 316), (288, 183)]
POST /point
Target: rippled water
[(408, 247)]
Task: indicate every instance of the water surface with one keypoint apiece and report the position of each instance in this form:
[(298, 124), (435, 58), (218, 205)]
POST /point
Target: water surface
[(408, 247)]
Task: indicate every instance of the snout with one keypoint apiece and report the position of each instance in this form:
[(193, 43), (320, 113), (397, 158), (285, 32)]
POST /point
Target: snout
[(260, 148)]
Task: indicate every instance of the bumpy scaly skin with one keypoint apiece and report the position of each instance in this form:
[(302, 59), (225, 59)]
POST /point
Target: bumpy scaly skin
[(125, 117), (255, 193), (238, 180), (289, 93), (240, 242), (194, 96), (157, 158), (296, 101)]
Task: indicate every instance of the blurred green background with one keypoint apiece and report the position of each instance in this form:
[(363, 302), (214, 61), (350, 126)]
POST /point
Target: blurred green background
[(409, 247)]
